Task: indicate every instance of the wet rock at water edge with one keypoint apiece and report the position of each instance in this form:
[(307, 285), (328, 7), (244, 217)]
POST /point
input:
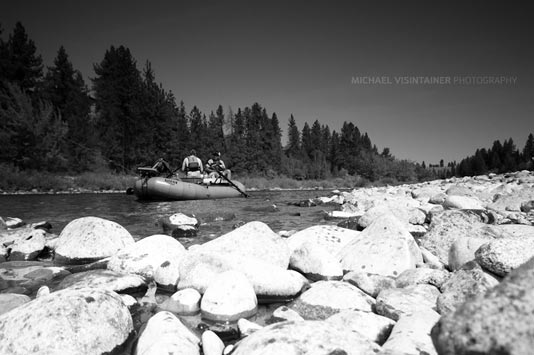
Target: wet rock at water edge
[(306, 338), (211, 343), (29, 246), (326, 298), (28, 276), (284, 313), (86, 321), (184, 302), (104, 279), (229, 297), (376, 328), (498, 321), (166, 334), (145, 256), (247, 327), (88, 239)]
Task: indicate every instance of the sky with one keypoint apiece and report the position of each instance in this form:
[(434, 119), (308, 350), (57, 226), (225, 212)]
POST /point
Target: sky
[(430, 80)]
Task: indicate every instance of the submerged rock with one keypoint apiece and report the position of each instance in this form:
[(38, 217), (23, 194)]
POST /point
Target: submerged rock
[(82, 321), (88, 239), (9, 301), (28, 276)]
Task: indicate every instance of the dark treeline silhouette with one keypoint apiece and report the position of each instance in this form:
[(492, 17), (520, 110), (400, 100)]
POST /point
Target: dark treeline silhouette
[(51, 120), (500, 158)]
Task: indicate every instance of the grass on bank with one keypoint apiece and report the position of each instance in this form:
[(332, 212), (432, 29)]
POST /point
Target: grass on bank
[(13, 180)]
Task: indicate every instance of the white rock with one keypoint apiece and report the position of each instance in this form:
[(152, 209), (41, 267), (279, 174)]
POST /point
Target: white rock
[(179, 219), (211, 343), (229, 297), (463, 251), (103, 279), (165, 334), (463, 202), (372, 326), (315, 262), (501, 256), (284, 313), (411, 334), (145, 256), (9, 301), (42, 291), (369, 283), (184, 302), (384, 248), (91, 238), (128, 300), (331, 238), (28, 247), (168, 273), (395, 302), (83, 321)]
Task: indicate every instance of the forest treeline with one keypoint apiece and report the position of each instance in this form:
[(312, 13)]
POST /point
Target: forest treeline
[(52, 120)]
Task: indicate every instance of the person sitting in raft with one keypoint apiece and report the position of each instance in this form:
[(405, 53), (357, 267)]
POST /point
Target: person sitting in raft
[(192, 165), (216, 166)]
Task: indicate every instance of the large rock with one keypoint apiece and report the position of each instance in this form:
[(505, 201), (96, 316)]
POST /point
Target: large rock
[(103, 279), (305, 338), (8, 301), (315, 262), (411, 334), (463, 284), (199, 268), (396, 302), (496, 322), (84, 321), (88, 239), (501, 256), (165, 334), (326, 298), (446, 227), (511, 202), (229, 297), (254, 239), (372, 326), (145, 256), (385, 248), (184, 302), (330, 238)]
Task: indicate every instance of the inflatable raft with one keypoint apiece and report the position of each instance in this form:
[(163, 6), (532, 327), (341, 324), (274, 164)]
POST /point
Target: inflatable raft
[(150, 187)]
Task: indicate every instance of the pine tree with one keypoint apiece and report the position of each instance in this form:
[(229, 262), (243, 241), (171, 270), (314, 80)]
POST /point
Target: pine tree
[(293, 146), (22, 66), (65, 88), (118, 93), (528, 153)]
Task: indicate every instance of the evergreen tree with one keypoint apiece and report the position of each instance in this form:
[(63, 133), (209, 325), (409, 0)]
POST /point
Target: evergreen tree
[(307, 141), (528, 153), (118, 92), (65, 88), (293, 146), (21, 65)]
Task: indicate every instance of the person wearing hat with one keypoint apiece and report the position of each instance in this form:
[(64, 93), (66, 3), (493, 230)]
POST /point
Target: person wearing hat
[(215, 167), (192, 165)]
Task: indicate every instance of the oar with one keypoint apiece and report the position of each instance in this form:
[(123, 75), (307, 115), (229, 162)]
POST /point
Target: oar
[(230, 182)]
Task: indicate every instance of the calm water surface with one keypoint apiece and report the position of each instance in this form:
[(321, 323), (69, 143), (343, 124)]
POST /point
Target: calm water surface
[(140, 218)]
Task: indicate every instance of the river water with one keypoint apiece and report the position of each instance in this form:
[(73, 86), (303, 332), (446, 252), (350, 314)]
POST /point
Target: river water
[(140, 218)]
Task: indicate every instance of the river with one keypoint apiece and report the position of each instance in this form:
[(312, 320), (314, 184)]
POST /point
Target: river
[(140, 218)]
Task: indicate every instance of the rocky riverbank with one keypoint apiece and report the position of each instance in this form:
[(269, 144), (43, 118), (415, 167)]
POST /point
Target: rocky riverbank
[(443, 267)]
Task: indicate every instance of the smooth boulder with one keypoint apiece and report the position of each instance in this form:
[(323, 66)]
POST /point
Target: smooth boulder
[(145, 256), (376, 328), (229, 297), (385, 248), (315, 262), (88, 239), (82, 321), (166, 334), (501, 256), (396, 302), (305, 338)]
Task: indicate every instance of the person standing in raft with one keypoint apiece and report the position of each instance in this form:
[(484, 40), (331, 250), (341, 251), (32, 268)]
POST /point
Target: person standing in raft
[(216, 166), (192, 165)]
